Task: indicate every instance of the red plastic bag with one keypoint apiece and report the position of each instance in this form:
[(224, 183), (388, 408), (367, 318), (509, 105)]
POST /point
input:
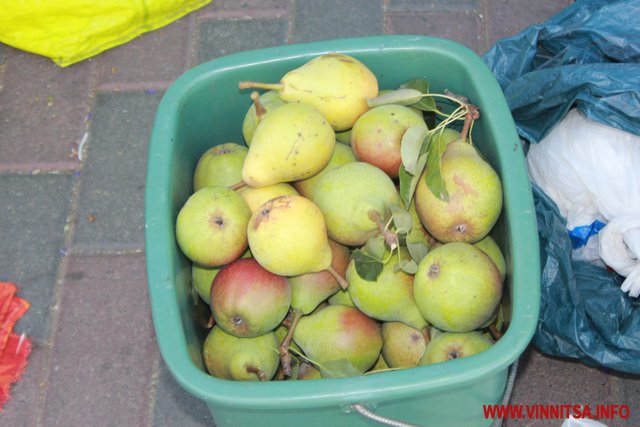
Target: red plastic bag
[(14, 348)]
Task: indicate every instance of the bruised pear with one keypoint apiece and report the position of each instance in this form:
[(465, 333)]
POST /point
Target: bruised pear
[(337, 85), (351, 196), (292, 142), (387, 298), (257, 196), (475, 197), (241, 359), (454, 345), (402, 345), (247, 301), (288, 236), (377, 134), (339, 338), (457, 287)]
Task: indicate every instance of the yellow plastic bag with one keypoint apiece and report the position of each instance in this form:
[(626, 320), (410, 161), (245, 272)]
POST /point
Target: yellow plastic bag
[(68, 31)]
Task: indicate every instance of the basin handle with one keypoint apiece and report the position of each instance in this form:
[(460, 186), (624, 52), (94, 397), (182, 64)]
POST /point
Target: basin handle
[(362, 410)]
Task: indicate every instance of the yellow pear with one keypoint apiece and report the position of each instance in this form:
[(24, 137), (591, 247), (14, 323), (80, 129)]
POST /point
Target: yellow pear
[(290, 143), (287, 236), (336, 84), (342, 154)]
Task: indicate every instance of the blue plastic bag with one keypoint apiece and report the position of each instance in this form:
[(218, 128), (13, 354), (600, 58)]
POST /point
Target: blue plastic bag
[(588, 57)]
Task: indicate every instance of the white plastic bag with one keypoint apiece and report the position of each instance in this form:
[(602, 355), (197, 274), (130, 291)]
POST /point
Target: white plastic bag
[(592, 172), (581, 422)]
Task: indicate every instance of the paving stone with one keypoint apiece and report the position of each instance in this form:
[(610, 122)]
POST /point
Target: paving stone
[(546, 380), (159, 55), (461, 27), (339, 19), (33, 214), (430, 6), (506, 18), (174, 406), (101, 363), (111, 203), (42, 112), (629, 394), (2, 55), (246, 5), (219, 38)]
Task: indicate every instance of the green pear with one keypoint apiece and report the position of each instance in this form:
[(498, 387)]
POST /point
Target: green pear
[(202, 277), (256, 197), (389, 297), (381, 365), (291, 143), (211, 228), (339, 338), (491, 248), (220, 166), (342, 154), (337, 85), (308, 372), (341, 297), (457, 287), (377, 134), (453, 345), (241, 359), (260, 106), (247, 300), (402, 345), (475, 197), (344, 137), (350, 197), (309, 290), (288, 236)]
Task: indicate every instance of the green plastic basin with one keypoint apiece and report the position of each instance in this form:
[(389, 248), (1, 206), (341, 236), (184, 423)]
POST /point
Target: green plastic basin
[(204, 107)]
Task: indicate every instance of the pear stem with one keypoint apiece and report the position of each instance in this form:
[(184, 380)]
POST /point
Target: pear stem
[(495, 333), (247, 84), (341, 280), (259, 372), (238, 185), (472, 114), (285, 356), (260, 110)]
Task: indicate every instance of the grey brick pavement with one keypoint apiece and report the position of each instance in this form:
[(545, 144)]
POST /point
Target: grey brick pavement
[(72, 227)]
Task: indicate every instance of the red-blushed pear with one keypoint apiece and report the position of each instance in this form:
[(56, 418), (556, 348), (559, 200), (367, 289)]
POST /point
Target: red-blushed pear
[(211, 228), (453, 345), (241, 359), (457, 287), (202, 277), (220, 166), (247, 300), (338, 85), (402, 345), (340, 340), (474, 197), (377, 134)]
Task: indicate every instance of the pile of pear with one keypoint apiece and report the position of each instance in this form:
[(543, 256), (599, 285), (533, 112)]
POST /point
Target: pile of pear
[(274, 221)]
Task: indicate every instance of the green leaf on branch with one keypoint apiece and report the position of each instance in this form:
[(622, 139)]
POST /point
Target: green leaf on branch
[(401, 219), (433, 177), (375, 247), (398, 97), (409, 266), (410, 146), (367, 267), (426, 103), (405, 179)]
